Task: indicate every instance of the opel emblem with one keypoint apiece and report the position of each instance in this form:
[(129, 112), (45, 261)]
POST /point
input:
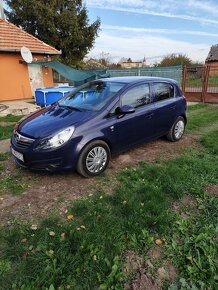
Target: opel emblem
[(17, 137)]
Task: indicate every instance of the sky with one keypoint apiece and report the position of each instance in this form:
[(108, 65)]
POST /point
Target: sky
[(154, 28)]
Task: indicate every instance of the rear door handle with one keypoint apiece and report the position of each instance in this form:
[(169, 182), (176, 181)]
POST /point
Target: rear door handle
[(173, 107)]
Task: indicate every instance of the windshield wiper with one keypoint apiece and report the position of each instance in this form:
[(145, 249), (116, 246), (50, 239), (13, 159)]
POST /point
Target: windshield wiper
[(71, 108)]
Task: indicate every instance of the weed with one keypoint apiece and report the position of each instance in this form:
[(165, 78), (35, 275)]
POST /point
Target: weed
[(194, 247)]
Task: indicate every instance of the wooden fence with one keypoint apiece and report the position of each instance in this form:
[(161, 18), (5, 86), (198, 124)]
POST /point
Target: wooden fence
[(200, 83)]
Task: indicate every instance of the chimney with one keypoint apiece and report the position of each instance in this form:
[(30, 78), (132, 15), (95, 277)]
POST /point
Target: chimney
[(2, 15)]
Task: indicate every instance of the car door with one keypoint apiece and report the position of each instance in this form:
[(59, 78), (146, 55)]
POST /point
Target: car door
[(136, 127), (165, 106)]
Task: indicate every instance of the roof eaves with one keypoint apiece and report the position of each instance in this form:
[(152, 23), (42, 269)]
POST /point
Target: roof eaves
[(33, 51)]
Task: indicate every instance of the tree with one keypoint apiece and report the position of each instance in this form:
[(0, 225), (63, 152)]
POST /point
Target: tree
[(63, 24), (173, 59), (103, 60)]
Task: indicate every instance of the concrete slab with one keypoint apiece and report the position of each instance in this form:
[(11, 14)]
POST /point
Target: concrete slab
[(192, 103), (4, 146), (21, 107)]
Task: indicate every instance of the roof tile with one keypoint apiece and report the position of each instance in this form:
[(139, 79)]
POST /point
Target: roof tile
[(213, 54), (12, 38)]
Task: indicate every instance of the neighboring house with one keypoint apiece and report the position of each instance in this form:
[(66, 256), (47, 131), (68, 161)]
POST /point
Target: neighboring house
[(18, 79), (212, 58), (132, 64)]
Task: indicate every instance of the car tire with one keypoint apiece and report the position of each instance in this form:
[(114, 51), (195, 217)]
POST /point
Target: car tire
[(177, 130), (94, 159)]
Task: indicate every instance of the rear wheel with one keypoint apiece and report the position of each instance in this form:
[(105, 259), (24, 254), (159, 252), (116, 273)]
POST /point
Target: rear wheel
[(94, 159), (177, 130)]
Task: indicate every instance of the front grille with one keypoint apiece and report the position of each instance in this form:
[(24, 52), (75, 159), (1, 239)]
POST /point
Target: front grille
[(22, 141)]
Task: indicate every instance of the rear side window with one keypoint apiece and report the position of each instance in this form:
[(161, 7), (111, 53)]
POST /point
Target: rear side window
[(137, 96), (163, 91)]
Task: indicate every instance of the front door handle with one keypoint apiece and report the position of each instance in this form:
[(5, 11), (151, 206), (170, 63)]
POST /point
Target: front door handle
[(149, 115)]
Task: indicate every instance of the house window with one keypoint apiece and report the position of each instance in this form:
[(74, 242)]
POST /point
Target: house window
[(59, 78)]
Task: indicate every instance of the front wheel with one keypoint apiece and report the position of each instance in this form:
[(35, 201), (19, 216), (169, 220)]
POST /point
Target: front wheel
[(177, 130), (94, 159)]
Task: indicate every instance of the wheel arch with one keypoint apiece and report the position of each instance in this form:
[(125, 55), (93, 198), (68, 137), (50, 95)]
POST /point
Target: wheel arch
[(101, 138), (184, 117)]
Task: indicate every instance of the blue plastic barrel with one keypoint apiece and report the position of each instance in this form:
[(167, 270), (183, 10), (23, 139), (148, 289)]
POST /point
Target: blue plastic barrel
[(47, 96)]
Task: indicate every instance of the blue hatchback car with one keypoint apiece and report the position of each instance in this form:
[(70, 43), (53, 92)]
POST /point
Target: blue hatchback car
[(100, 118)]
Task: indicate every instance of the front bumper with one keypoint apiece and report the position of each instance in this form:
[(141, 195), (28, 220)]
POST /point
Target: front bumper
[(63, 158)]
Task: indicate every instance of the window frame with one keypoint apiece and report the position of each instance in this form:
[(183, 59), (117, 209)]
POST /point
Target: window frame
[(154, 96)]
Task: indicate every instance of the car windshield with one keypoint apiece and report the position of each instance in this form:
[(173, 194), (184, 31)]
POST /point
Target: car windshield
[(92, 96)]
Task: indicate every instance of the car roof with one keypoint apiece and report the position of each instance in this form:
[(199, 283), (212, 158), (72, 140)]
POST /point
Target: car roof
[(136, 79)]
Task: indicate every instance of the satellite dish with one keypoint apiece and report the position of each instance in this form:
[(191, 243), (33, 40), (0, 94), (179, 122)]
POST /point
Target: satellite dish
[(26, 54)]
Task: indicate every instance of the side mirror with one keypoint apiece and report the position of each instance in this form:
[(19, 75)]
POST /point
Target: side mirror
[(126, 109)]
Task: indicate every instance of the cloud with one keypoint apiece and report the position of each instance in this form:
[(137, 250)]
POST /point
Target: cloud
[(191, 11), (149, 46), (157, 30)]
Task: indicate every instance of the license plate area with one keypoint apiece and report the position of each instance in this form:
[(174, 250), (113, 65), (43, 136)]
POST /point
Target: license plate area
[(17, 154)]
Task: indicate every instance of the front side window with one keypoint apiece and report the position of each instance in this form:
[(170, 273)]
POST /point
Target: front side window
[(163, 91), (137, 96), (91, 96)]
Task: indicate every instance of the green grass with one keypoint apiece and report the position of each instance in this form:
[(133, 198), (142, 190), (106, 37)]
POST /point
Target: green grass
[(4, 156), (104, 227), (210, 141), (14, 182), (197, 82), (194, 247), (1, 167), (10, 118), (88, 250), (6, 132), (200, 117)]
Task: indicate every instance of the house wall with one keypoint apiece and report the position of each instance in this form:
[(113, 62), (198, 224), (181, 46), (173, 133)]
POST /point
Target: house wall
[(131, 64), (14, 77), (212, 64), (213, 68)]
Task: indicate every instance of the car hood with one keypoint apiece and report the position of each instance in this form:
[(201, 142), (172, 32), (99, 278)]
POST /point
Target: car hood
[(52, 119)]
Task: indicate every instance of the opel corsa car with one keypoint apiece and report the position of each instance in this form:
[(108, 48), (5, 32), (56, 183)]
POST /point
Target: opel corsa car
[(100, 118)]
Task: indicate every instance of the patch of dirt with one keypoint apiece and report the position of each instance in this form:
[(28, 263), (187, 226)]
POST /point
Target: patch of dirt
[(7, 123), (145, 279), (144, 282), (155, 253), (133, 262), (186, 207), (152, 151), (54, 192), (212, 189)]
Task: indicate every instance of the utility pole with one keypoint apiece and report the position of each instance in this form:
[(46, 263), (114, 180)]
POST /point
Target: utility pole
[(2, 15)]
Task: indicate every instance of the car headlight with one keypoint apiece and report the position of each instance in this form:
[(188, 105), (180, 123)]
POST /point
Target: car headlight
[(56, 140)]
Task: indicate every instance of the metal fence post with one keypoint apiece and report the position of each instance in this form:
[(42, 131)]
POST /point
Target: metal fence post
[(184, 74), (205, 82)]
